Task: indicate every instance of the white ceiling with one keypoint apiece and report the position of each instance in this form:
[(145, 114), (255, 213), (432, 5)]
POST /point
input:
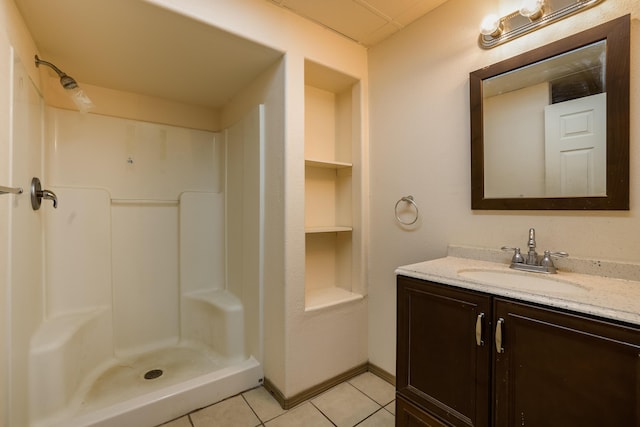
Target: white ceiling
[(366, 21), (133, 46)]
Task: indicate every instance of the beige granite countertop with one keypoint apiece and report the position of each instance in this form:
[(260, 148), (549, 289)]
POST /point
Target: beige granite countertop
[(608, 297)]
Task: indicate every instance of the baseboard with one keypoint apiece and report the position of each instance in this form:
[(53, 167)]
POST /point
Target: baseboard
[(376, 370), (288, 403)]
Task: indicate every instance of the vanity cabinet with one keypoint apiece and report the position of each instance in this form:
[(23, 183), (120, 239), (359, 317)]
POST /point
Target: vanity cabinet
[(440, 366), (466, 358)]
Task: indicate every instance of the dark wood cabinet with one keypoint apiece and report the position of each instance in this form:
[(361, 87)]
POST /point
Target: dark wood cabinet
[(441, 365), (561, 369), (471, 359)]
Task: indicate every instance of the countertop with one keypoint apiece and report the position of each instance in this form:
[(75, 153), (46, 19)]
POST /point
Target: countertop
[(608, 297)]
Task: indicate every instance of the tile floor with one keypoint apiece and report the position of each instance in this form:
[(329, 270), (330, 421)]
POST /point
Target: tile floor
[(363, 401)]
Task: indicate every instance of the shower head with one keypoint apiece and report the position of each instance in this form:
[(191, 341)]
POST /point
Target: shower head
[(78, 96), (66, 81)]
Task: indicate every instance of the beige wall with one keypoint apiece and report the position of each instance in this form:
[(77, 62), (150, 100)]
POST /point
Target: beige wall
[(419, 145)]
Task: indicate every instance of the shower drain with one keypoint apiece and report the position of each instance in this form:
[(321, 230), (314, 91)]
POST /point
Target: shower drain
[(153, 374)]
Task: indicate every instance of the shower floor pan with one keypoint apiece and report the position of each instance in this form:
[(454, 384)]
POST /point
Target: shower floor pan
[(158, 386)]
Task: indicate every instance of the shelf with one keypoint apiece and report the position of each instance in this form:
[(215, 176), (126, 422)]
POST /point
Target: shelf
[(317, 299), (326, 164), (328, 194), (328, 229)]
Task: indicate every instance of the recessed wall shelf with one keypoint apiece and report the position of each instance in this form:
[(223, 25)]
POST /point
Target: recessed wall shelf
[(332, 123), (317, 299)]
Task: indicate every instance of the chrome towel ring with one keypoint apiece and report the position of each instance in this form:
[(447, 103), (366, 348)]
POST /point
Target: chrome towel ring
[(411, 201)]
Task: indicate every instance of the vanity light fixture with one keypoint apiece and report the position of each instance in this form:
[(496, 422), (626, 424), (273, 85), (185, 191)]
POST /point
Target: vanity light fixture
[(533, 14)]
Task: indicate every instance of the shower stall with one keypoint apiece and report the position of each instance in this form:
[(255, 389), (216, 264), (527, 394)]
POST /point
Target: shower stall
[(139, 298)]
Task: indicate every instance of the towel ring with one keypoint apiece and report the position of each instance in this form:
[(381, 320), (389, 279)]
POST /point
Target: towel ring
[(407, 199)]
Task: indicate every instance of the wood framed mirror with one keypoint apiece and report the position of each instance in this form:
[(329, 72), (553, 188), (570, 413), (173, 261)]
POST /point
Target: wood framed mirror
[(550, 127)]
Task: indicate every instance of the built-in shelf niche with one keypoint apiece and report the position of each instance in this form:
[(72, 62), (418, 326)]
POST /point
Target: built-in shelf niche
[(332, 140)]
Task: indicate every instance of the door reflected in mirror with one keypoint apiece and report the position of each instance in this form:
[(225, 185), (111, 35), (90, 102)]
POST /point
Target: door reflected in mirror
[(548, 119), (550, 128)]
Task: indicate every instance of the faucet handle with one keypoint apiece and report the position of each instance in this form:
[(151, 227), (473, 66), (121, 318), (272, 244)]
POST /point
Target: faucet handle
[(546, 259), (517, 256)]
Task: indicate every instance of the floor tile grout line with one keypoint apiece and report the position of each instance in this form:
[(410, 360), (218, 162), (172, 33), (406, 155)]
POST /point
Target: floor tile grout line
[(360, 391), (369, 397), (382, 405), (385, 408), (323, 414), (365, 393), (251, 407), (253, 410), (371, 415), (263, 422)]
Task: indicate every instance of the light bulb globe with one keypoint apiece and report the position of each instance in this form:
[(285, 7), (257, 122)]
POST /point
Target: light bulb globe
[(531, 9), (490, 26)]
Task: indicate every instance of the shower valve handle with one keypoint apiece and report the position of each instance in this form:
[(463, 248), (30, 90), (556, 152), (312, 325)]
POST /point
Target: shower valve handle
[(50, 195), (37, 194)]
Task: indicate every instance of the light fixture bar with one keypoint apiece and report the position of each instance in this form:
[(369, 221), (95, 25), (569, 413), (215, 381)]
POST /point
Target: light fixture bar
[(515, 25)]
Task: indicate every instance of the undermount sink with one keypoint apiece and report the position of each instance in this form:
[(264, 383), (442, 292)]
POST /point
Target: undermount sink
[(535, 282)]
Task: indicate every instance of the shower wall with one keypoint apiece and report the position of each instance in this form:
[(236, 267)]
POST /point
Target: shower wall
[(245, 221), (156, 242), (114, 240)]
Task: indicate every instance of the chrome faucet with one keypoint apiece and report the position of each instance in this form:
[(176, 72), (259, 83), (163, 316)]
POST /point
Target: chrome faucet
[(533, 262)]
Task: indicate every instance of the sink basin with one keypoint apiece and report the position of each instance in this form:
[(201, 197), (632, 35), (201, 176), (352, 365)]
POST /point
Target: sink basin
[(515, 280)]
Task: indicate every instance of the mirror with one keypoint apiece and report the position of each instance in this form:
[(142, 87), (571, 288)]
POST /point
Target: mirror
[(550, 127)]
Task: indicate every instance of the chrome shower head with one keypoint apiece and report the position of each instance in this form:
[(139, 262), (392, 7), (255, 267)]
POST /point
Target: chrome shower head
[(78, 96), (66, 81)]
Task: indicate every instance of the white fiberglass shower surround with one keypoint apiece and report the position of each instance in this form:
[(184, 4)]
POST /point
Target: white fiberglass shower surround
[(150, 302)]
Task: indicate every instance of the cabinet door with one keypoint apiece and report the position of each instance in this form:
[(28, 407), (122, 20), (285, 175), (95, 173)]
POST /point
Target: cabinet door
[(560, 369), (440, 365)]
